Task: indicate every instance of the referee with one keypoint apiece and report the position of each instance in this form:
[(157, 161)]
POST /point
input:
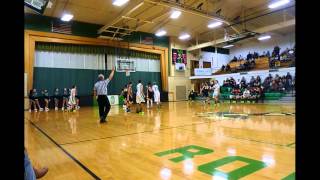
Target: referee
[(101, 92)]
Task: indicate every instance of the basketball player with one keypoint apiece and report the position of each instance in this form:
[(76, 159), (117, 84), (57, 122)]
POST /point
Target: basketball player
[(139, 97), (216, 92), (34, 99), (46, 99), (129, 97), (72, 98), (65, 97), (156, 94), (150, 94), (205, 92), (56, 98), (124, 94), (77, 100)]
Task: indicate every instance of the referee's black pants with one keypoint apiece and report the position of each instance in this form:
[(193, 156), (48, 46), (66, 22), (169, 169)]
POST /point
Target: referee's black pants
[(104, 106)]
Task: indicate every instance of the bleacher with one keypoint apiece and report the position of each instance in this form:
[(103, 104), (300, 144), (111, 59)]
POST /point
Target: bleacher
[(225, 93), (261, 63)]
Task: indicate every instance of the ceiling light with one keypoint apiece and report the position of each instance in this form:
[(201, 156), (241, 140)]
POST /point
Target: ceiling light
[(278, 4), (215, 24), (264, 37), (161, 33), (67, 17), (119, 2), (227, 46), (184, 36), (175, 14)]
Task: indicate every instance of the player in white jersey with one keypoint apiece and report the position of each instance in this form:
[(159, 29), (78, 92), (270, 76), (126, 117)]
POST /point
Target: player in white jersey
[(156, 94), (139, 97), (216, 92)]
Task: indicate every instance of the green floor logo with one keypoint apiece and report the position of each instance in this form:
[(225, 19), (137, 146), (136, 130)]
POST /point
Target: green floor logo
[(211, 168)]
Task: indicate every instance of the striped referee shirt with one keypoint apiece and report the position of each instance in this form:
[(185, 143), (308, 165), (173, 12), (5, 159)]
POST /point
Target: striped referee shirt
[(101, 87)]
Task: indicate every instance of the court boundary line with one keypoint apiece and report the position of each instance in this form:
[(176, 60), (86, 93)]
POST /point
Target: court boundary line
[(67, 153), (262, 142), (110, 137)]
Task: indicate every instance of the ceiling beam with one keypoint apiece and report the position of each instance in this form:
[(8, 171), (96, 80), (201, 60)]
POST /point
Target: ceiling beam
[(190, 10), (125, 12), (259, 30)]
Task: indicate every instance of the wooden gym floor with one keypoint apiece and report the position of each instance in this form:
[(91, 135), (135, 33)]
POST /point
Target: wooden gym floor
[(231, 141)]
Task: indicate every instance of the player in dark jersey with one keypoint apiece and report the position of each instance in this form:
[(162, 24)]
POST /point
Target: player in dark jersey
[(129, 98), (56, 98), (149, 95), (65, 98), (46, 98)]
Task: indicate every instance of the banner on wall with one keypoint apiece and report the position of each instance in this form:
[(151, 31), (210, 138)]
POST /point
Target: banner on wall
[(146, 40), (179, 56), (202, 71)]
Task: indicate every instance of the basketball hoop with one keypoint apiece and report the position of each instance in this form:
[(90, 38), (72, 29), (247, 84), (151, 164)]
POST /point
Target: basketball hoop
[(127, 72)]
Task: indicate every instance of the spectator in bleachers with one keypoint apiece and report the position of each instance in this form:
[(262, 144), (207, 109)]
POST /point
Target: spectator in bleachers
[(274, 85), (243, 79), (235, 59), (255, 55), (268, 54), (223, 68), (249, 56), (228, 68), (251, 81), (235, 94), (276, 52), (246, 94)]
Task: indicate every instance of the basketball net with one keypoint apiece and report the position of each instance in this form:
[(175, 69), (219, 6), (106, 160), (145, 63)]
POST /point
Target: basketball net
[(127, 72)]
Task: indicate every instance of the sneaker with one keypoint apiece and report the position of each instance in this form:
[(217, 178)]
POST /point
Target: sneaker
[(62, 108), (56, 108), (40, 172), (46, 109), (35, 110), (29, 110), (41, 109), (78, 107)]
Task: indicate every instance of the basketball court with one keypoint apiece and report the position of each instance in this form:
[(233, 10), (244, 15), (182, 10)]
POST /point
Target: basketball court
[(183, 138)]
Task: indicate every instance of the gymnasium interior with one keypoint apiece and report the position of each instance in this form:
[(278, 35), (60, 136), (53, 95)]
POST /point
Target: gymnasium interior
[(243, 127)]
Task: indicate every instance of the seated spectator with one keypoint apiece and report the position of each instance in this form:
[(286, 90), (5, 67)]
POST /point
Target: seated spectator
[(288, 76), (256, 83), (249, 56), (274, 86), (246, 94), (228, 68), (243, 79), (258, 79), (268, 54), (223, 68), (276, 52), (30, 172), (235, 94), (234, 59), (255, 55), (192, 95), (251, 81)]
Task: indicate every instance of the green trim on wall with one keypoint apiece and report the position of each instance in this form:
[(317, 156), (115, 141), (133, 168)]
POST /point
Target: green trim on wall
[(43, 23)]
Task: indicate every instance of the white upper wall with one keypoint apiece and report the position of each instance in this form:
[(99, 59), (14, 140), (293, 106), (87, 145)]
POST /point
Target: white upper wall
[(259, 46), (217, 60)]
